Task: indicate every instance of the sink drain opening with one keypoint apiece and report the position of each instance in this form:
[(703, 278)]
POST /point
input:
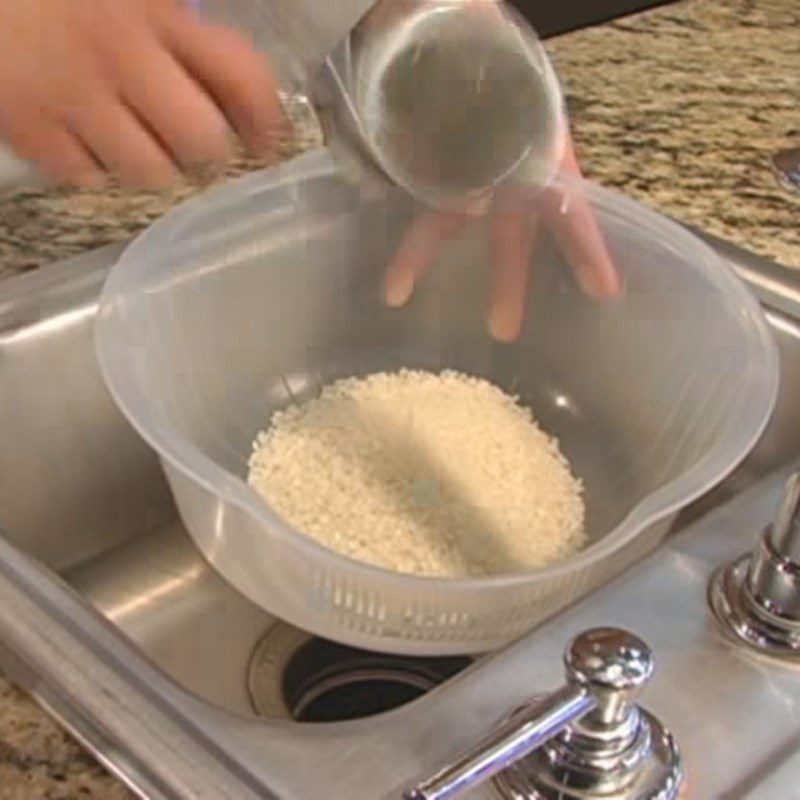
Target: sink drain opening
[(357, 693), (308, 679)]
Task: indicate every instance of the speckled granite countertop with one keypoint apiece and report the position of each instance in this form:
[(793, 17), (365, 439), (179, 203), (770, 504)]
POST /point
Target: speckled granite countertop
[(680, 107), (683, 108)]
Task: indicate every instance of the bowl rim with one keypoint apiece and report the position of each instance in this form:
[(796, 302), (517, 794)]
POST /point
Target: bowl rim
[(709, 469)]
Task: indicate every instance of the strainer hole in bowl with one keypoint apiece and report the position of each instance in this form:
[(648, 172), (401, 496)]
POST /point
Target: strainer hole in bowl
[(274, 281)]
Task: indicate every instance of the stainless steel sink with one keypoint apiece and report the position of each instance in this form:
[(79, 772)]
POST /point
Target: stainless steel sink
[(186, 690)]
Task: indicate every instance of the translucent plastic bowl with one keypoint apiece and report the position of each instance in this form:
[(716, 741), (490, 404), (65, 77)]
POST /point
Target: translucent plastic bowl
[(250, 297)]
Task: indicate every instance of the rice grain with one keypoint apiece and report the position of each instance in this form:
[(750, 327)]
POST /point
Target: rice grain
[(431, 474)]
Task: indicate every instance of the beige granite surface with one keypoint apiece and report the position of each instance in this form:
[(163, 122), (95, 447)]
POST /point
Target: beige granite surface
[(38, 761), (681, 107)]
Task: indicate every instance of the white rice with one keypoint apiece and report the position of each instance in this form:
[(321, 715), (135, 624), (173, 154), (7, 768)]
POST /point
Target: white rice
[(422, 473)]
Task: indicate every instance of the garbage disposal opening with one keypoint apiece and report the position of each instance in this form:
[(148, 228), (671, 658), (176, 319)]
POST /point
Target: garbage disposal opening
[(309, 679)]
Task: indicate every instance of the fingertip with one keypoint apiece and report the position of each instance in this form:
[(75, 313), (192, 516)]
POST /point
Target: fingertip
[(90, 180), (587, 282), (264, 140), (398, 291), (502, 327), (615, 284), (260, 120), (600, 283), (152, 176)]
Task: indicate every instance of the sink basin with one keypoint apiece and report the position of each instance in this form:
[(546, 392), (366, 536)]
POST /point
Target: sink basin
[(187, 690)]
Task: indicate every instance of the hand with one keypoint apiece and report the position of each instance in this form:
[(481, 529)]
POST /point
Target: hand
[(138, 89), (516, 215)]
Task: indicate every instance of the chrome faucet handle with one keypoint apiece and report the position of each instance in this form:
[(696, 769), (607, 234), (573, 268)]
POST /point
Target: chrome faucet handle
[(756, 599), (588, 739), (785, 533)]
